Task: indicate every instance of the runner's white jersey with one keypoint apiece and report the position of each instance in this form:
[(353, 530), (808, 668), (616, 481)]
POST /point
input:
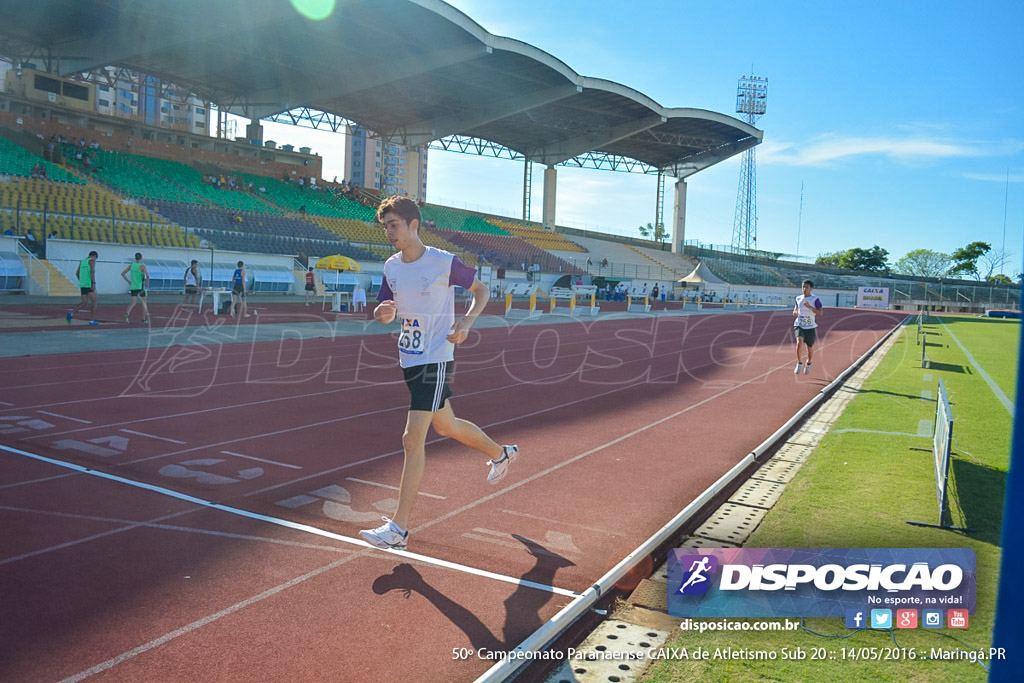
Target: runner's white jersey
[(424, 294), (805, 318)]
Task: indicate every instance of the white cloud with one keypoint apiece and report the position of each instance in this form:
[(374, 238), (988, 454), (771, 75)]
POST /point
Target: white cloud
[(995, 177), (834, 148)]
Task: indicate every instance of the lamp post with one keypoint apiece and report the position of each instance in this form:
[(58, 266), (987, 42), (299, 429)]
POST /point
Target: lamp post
[(752, 101)]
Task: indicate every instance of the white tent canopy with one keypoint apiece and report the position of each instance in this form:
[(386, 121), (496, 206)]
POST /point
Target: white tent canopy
[(701, 275)]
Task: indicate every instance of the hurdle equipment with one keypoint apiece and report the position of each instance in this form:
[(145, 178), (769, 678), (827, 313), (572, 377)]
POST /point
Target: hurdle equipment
[(941, 450), (645, 307), (528, 313), (574, 308)]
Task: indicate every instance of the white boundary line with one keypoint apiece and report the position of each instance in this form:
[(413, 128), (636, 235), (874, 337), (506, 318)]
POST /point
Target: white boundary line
[(296, 526), (393, 488), (269, 462), (1000, 396), (64, 417), (151, 524), (198, 624), (154, 436)]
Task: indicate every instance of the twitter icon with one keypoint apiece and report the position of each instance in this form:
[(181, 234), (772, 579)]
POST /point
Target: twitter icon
[(881, 618)]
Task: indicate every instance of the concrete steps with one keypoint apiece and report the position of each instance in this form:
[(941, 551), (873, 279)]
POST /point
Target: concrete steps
[(46, 279)]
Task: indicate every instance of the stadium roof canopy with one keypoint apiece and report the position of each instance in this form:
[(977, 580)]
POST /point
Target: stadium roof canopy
[(412, 71)]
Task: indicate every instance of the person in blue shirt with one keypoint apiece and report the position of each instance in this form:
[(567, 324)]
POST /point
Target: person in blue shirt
[(238, 291)]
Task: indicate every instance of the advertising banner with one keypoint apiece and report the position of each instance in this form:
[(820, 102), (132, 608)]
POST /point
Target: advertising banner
[(872, 297)]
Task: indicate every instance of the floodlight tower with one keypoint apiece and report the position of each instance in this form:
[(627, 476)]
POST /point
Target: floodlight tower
[(751, 100)]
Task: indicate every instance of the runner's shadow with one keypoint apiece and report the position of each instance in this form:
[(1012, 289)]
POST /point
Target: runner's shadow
[(525, 603), (405, 578), (978, 491)]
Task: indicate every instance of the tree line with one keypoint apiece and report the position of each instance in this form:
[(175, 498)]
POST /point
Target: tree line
[(976, 260)]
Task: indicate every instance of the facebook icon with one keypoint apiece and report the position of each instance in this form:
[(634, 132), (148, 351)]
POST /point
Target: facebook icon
[(856, 618)]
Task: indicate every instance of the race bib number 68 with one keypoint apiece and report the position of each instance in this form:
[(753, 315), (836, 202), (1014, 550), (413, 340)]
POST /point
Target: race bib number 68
[(411, 339)]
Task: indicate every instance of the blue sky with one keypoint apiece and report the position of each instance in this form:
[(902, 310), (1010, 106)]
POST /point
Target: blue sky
[(900, 119)]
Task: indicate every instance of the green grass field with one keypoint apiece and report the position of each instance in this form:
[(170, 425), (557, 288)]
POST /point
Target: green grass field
[(859, 488)]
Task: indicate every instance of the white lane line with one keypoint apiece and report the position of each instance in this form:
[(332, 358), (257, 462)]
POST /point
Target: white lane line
[(1007, 403), (175, 527), (872, 431), (393, 488), (64, 417), (110, 532), (298, 527), (253, 457), (36, 481), (562, 523), (154, 436), (5, 403), (196, 625)]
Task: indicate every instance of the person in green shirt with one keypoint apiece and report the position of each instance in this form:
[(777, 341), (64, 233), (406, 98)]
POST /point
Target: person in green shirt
[(86, 274), (137, 286)]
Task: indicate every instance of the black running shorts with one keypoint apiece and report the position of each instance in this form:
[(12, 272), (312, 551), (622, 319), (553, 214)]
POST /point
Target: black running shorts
[(808, 334), (429, 385)]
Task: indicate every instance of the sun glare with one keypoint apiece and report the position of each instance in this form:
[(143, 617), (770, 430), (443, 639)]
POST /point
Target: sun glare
[(315, 10)]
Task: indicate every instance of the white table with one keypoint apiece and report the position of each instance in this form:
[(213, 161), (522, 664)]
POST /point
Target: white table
[(337, 298), (216, 294)]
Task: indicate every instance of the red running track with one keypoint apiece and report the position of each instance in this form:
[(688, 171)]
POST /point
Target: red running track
[(621, 423)]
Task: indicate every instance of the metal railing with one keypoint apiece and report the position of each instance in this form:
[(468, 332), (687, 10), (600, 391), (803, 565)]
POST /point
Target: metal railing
[(37, 272)]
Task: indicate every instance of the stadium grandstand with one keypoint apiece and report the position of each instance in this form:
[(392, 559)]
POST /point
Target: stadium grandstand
[(158, 200), (78, 176)]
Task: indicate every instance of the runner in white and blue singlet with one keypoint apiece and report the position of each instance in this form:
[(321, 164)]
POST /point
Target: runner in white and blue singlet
[(418, 290), (805, 325)]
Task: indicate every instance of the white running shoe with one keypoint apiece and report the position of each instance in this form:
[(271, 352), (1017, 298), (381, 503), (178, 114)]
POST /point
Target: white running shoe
[(796, 370), (807, 369), (499, 468), (389, 535)]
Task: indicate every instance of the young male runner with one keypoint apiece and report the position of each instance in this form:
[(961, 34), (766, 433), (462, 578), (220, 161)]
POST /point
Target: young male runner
[(805, 314), (137, 286), (192, 280), (419, 289), (86, 274)]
